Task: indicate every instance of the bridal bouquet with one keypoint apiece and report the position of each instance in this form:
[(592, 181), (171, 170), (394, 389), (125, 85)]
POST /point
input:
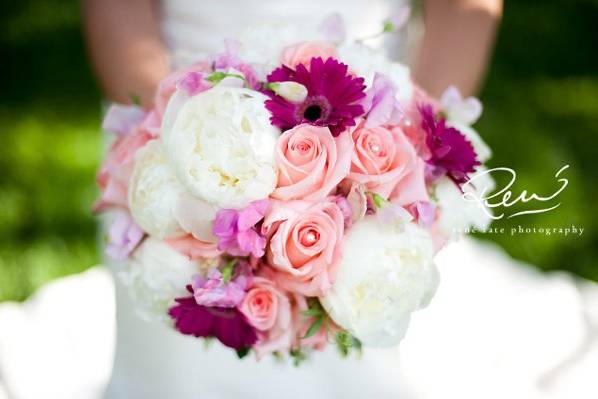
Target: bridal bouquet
[(284, 195)]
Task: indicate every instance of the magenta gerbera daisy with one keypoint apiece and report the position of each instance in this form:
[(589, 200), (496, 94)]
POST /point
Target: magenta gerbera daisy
[(450, 151), (332, 96)]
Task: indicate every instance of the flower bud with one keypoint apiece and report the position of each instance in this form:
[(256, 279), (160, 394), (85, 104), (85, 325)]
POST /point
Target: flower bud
[(291, 91)]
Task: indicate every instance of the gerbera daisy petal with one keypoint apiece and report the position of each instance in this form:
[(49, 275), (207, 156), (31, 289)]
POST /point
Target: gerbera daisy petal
[(332, 96)]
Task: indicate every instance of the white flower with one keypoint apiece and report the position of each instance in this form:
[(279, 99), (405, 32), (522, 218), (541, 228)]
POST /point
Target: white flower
[(458, 214), (291, 91), (461, 110), (366, 62), (385, 274), (262, 46), (156, 275), (221, 145), (461, 113), (154, 192)]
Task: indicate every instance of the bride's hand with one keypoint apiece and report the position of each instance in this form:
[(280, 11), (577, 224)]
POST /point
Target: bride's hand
[(126, 49)]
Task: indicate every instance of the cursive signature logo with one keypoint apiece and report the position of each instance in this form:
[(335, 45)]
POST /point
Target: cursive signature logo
[(503, 197)]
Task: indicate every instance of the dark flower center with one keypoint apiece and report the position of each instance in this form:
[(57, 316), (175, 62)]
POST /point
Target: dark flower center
[(313, 113), (314, 109)]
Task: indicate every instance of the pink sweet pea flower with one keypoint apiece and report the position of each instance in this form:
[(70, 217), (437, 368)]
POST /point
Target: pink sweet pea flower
[(213, 291), (169, 85), (229, 61), (412, 188), (305, 244), (237, 232), (117, 168)]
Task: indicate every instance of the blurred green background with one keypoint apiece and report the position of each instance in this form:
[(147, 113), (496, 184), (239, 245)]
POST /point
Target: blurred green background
[(541, 108)]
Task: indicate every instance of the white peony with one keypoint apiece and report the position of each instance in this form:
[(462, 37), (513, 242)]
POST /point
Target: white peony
[(154, 192), (366, 62), (221, 145), (156, 275), (386, 273), (457, 214)]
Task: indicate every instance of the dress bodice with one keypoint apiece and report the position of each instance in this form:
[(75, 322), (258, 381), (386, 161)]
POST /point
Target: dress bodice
[(199, 27)]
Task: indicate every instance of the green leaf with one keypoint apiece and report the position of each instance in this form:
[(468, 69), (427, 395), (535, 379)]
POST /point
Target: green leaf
[(217, 77), (135, 99), (345, 342), (388, 27), (298, 356), (312, 312), (313, 329), (228, 270), (379, 201), (241, 353)]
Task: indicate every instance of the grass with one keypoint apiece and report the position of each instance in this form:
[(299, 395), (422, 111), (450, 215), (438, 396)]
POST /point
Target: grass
[(541, 107)]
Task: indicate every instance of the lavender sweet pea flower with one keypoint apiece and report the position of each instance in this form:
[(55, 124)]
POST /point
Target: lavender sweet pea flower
[(393, 213), (381, 104), (425, 213), (121, 119), (333, 28), (230, 62), (123, 237), (212, 290), (345, 208), (236, 230)]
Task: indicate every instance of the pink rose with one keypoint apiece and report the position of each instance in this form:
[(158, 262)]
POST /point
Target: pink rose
[(303, 52), (311, 162), (305, 244), (268, 310), (381, 158), (115, 172), (194, 248)]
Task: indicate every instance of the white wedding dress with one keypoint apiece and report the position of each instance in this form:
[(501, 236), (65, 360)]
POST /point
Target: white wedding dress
[(154, 361)]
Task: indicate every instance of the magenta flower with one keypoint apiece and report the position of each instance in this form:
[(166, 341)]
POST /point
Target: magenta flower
[(450, 151), (332, 100), (214, 291), (228, 325), (237, 231)]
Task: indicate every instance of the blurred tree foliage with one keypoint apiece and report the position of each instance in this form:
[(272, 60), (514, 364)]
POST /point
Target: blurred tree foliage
[(541, 107)]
